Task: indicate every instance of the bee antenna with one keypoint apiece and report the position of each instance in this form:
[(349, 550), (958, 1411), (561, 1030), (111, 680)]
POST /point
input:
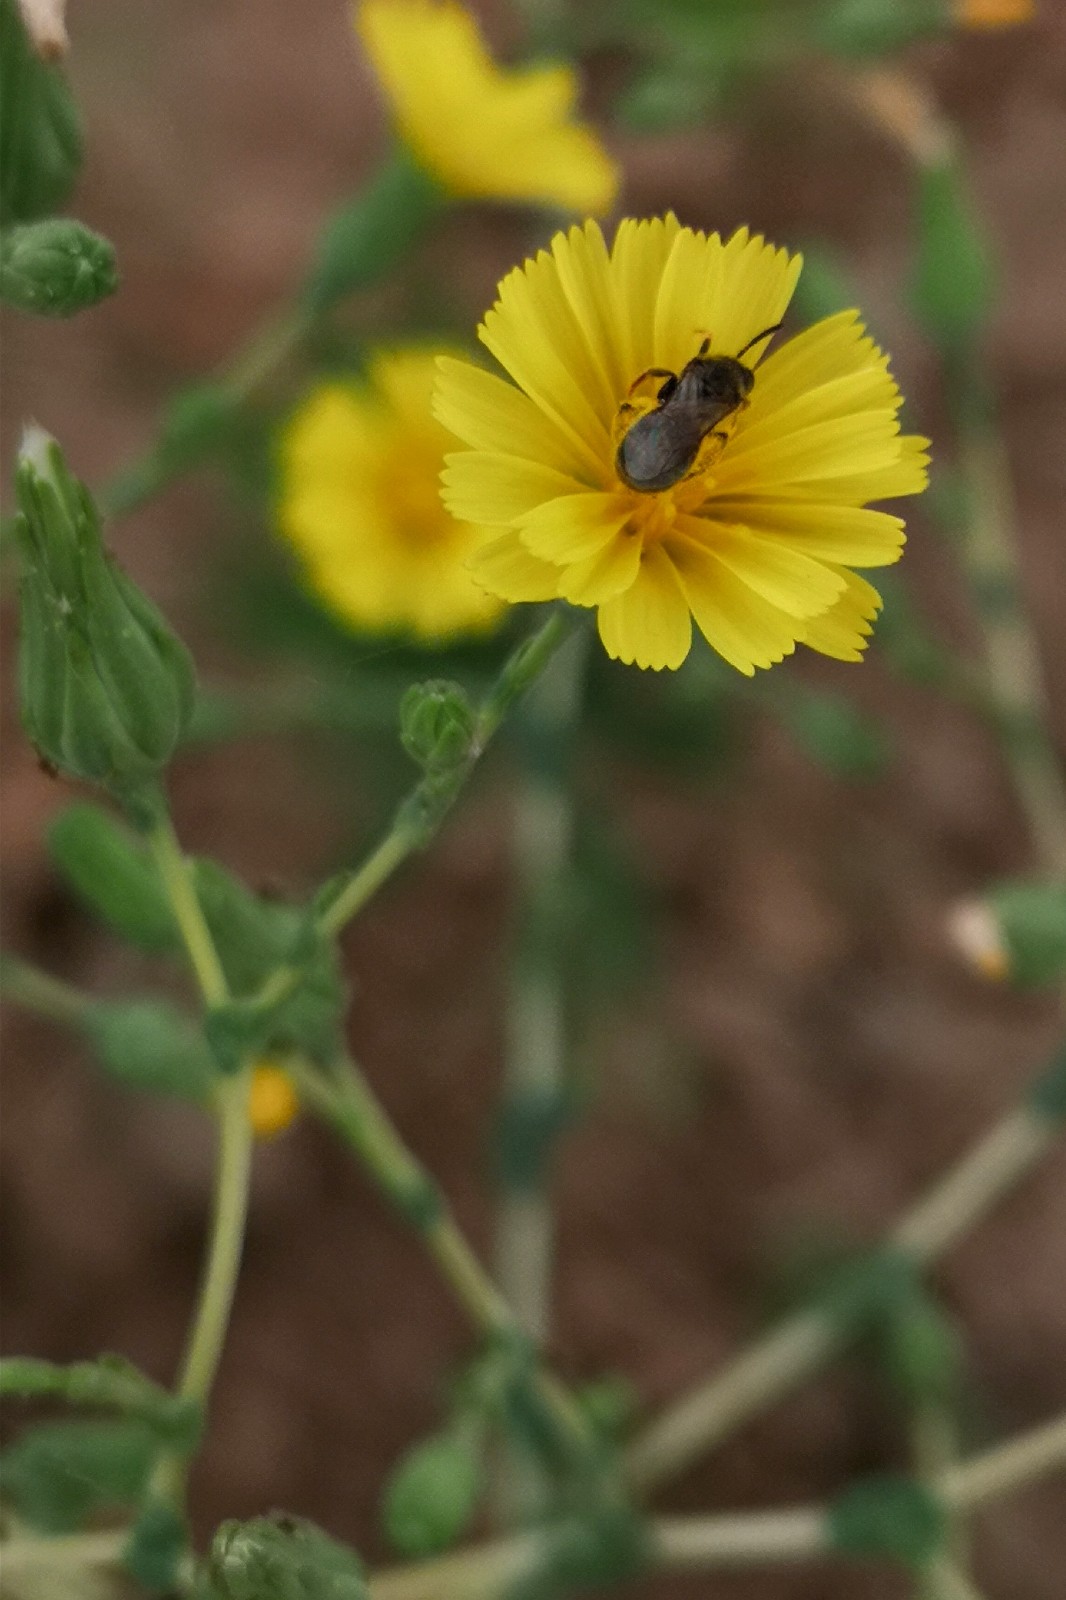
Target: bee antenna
[(751, 342)]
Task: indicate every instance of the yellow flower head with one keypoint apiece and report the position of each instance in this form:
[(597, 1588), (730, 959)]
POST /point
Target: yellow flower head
[(756, 536), (483, 131), (360, 501), (272, 1100), (993, 13)]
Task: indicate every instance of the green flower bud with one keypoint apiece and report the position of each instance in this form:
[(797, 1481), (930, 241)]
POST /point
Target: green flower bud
[(434, 1492), (280, 1558), (40, 138), (437, 726), (55, 268), (106, 689)]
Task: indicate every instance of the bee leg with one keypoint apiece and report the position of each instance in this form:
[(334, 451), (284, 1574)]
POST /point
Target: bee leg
[(710, 449), (651, 372)]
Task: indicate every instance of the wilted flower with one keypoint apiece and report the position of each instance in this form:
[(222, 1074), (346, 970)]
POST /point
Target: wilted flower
[(483, 131), (360, 501), (757, 542), (273, 1103)]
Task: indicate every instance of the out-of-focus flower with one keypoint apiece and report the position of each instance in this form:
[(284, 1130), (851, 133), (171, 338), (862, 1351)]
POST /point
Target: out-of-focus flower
[(483, 131), (273, 1103), (993, 13), (360, 501), (757, 541)]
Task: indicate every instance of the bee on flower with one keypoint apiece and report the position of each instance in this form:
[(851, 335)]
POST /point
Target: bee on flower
[(484, 132), (360, 503), (651, 460)]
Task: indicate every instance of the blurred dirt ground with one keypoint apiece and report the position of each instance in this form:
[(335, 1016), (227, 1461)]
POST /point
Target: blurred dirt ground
[(835, 1054)]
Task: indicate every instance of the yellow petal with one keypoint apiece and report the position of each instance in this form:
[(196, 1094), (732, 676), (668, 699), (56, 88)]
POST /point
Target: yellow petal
[(489, 414), (744, 628), (481, 486), (601, 576), (725, 292), (648, 625), (844, 630), (847, 535), (575, 526), (788, 579), (505, 567), (848, 447), (907, 475), (828, 349), (638, 256)]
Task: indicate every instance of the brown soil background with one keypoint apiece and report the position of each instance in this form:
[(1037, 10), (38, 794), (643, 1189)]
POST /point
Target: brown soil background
[(836, 1056)]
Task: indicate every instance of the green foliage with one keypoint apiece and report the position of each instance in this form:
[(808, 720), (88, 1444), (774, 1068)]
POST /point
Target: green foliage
[(369, 235), (40, 137), (433, 1491), (253, 937), (59, 1473), (110, 870), (888, 1517), (155, 1548), (859, 1294), (1031, 917), (608, 1545), (106, 688), (1048, 1094), (280, 1558), (921, 1350), (109, 1382), (953, 282), (437, 726), (149, 1045), (55, 268), (834, 732), (663, 98), (877, 27)]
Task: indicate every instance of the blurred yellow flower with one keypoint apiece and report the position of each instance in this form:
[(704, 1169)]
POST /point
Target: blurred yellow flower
[(757, 541), (360, 502), (272, 1100), (993, 13), (483, 131)]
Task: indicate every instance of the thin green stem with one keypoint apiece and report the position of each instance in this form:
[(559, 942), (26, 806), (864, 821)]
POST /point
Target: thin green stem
[(777, 1363), (43, 994), (1007, 1468), (181, 892)]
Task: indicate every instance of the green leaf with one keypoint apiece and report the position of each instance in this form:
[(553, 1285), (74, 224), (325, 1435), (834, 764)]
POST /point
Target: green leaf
[(890, 1516), (663, 99), (953, 284), (59, 1473), (921, 1350), (433, 1492), (108, 1382), (55, 268), (1032, 920), (110, 870), (835, 733), (370, 234), (877, 27), (280, 1558), (150, 1045), (156, 1546), (40, 137)]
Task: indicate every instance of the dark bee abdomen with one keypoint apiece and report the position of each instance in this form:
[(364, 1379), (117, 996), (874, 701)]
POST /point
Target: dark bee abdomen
[(658, 450)]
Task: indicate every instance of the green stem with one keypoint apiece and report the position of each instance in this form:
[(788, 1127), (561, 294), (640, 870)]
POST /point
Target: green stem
[(1006, 1468), (177, 881), (39, 992), (777, 1363), (346, 1100)]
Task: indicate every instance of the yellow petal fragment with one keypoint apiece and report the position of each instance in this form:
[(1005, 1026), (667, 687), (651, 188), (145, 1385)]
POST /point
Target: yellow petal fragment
[(575, 526), (648, 625), (505, 568), (481, 486), (845, 447), (489, 414), (790, 580), (638, 256), (844, 630), (846, 535), (746, 630), (908, 475), (601, 576), (725, 292)]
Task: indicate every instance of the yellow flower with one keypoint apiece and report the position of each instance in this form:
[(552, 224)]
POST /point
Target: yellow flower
[(360, 501), (993, 13), (483, 131), (272, 1100), (756, 544)]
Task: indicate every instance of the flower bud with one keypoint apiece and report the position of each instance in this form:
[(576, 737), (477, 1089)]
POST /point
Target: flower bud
[(55, 268), (437, 726), (106, 689), (433, 1493), (280, 1558)]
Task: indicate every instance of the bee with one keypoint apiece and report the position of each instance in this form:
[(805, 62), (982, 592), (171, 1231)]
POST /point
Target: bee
[(663, 445)]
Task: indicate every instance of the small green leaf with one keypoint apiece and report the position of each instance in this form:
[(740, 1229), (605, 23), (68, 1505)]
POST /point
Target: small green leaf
[(40, 137), (433, 1492), (59, 1473), (888, 1517), (953, 285), (369, 234), (109, 1382), (1031, 917), (280, 1558), (156, 1546), (150, 1045), (107, 866), (921, 1350)]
